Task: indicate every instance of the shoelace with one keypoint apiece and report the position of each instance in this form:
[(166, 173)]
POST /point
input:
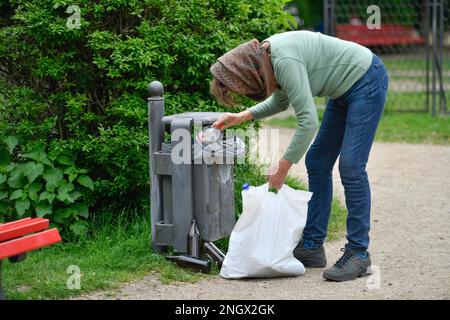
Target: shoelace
[(345, 257)]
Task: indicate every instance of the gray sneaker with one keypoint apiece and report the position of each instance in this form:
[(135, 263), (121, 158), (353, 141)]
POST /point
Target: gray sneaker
[(349, 267), (311, 258)]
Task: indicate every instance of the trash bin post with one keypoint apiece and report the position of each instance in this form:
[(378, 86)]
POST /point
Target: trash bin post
[(182, 193), (156, 135)]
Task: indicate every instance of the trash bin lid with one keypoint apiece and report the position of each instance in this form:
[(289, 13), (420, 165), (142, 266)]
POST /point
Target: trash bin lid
[(203, 117)]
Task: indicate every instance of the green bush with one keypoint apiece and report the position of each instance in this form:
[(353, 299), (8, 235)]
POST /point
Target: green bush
[(47, 184), (83, 90), (310, 11)]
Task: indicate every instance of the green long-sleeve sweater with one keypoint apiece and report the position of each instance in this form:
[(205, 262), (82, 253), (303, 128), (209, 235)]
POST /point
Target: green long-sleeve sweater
[(308, 64)]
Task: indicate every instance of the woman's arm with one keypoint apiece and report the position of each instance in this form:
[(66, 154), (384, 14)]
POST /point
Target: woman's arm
[(293, 78), (231, 119), (276, 103)]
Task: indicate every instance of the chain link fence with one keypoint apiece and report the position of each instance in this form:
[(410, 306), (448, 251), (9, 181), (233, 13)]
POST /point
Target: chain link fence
[(412, 37)]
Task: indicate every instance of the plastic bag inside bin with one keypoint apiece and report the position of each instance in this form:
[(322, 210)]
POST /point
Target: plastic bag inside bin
[(232, 147)]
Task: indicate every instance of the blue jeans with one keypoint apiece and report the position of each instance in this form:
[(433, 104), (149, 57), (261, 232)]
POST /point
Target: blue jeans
[(347, 130)]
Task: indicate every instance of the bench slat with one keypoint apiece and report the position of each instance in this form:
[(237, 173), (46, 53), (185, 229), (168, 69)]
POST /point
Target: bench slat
[(9, 224), (22, 227), (29, 243)]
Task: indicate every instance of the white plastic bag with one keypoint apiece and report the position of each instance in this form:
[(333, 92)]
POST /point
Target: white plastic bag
[(266, 233)]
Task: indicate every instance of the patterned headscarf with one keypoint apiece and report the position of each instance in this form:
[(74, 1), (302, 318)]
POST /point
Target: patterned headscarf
[(246, 70)]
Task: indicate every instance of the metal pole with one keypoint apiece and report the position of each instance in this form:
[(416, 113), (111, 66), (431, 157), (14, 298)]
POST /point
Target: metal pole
[(442, 102), (326, 18), (329, 19), (182, 188), (156, 136), (328, 9), (445, 18), (434, 28), (427, 53), (333, 18)]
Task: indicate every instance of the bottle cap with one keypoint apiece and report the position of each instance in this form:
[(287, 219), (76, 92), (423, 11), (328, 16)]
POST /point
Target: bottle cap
[(245, 186)]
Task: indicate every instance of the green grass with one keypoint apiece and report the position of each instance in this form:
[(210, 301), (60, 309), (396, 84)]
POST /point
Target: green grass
[(414, 128), (409, 101), (409, 63), (405, 100), (397, 127), (118, 251), (114, 254)]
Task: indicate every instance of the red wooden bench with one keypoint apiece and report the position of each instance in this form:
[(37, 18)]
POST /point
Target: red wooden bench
[(388, 35), (21, 236)]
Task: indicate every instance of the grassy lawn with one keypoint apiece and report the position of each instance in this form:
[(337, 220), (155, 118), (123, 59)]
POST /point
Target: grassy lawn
[(118, 251), (398, 127), (414, 128), (112, 256), (409, 63), (408, 101)]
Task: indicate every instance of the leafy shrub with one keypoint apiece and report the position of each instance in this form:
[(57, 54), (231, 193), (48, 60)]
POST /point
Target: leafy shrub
[(44, 184), (84, 90), (310, 11)]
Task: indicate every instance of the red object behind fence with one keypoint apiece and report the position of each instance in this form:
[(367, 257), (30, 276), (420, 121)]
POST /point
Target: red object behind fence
[(388, 35)]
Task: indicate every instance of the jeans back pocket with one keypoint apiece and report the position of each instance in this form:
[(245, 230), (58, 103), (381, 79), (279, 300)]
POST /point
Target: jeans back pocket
[(382, 73)]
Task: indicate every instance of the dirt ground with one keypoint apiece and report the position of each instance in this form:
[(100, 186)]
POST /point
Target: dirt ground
[(410, 239)]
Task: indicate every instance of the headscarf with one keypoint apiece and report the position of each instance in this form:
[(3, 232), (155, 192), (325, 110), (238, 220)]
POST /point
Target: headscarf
[(246, 70)]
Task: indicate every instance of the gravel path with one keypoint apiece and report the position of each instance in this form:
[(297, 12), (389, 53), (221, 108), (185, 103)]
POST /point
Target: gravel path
[(410, 239)]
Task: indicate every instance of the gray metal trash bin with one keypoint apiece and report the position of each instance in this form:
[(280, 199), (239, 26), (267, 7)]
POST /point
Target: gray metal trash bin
[(184, 191)]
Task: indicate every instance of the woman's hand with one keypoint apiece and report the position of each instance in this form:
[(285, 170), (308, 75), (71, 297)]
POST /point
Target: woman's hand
[(278, 173), (231, 119)]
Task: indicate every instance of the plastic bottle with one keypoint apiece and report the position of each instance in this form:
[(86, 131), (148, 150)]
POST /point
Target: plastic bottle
[(209, 136)]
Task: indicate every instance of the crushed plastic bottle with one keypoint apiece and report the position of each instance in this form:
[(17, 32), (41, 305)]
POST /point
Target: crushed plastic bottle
[(208, 136)]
